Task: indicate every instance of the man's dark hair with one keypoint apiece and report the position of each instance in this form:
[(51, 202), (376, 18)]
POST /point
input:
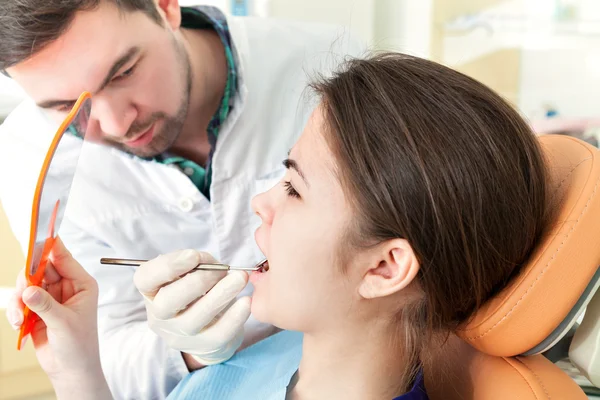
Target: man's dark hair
[(27, 26)]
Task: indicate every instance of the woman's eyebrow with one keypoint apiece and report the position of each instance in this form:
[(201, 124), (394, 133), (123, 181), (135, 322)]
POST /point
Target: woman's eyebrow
[(292, 164)]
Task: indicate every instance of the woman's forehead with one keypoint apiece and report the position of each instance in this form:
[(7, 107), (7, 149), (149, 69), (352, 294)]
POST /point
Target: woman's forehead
[(312, 149)]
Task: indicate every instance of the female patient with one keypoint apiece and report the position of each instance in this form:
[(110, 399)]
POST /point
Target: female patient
[(412, 196)]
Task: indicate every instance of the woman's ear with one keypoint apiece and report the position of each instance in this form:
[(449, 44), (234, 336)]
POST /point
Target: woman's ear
[(392, 267), (171, 12)]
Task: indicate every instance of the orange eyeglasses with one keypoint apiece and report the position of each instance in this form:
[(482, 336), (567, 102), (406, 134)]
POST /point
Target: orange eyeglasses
[(50, 199)]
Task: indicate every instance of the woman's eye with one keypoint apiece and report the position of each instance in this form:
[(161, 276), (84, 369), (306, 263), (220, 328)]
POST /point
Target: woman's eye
[(290, 190)]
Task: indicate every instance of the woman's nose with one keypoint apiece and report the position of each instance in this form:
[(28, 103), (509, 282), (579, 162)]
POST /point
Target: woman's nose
[(263, 207)]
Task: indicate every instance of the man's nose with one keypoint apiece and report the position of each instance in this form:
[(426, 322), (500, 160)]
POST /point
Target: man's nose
[(114, 117)]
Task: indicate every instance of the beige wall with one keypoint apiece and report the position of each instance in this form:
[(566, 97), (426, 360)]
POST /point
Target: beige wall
[(445, 10), (11, 257), (500, 70)]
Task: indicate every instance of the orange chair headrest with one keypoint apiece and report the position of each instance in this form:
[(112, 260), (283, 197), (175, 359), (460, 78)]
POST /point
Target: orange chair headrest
[(544, 297)]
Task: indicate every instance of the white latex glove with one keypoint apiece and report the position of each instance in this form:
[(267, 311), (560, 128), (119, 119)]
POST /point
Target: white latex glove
[(197, 313)]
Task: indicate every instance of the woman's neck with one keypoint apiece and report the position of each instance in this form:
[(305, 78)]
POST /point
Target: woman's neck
[(353, 363)]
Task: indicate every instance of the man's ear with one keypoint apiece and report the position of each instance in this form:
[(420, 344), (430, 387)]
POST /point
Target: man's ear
[(171, 12), (391, 267)]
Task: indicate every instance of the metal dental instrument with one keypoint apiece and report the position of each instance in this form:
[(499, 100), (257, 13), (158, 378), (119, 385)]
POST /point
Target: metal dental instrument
[(203, 266)]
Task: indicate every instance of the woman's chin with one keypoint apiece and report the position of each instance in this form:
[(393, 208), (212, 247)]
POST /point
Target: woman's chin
[(271, 317), (258, 308)]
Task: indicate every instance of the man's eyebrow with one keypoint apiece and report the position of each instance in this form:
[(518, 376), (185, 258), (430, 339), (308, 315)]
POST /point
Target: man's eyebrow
[(117, 65), (292, 164), (124, 59), (56, 103)]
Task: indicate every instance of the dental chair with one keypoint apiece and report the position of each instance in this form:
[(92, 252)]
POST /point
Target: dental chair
[(498, 354)]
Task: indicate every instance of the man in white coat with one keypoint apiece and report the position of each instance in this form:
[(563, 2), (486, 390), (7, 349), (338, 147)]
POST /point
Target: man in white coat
[(192, 114)]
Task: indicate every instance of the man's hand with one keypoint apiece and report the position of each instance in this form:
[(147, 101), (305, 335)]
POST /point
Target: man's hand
[(194, 312)]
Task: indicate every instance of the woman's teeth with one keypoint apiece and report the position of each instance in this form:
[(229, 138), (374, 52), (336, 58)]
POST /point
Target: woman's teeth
[(264, 267)]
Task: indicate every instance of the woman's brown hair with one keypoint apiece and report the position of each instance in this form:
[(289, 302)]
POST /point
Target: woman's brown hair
[(428, 154)]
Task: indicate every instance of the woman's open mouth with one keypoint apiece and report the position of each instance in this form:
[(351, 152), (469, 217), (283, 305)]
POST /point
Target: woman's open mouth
[(258, 275), (264, 267)]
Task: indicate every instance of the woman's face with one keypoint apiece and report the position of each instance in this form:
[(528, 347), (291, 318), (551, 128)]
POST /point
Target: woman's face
[(304, 220)]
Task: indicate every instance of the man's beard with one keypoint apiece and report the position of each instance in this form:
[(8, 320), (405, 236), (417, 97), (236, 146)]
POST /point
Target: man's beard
[(171, 125)]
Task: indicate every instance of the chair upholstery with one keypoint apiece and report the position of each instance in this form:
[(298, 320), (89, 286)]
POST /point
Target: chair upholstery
[(484, 359)]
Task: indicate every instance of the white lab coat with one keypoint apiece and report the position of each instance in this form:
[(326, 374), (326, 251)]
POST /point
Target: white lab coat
[(121, 206)]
